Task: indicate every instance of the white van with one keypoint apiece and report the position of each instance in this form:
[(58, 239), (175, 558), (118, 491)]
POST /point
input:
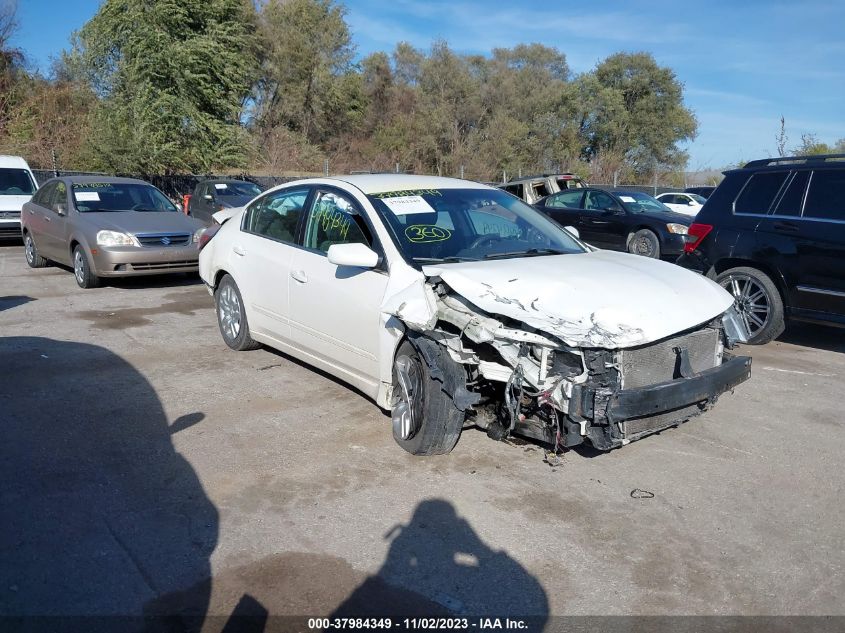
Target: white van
[(17, 184)]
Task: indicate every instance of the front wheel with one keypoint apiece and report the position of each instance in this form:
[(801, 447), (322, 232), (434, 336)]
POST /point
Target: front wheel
[(758, 302), (426, 420), (82, 271), (231, 316), (645, 243)]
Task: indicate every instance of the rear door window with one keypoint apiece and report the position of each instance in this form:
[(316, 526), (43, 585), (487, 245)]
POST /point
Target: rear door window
[(277, 214), (793, 198), (760, 192), (826, 196), (571, 199)]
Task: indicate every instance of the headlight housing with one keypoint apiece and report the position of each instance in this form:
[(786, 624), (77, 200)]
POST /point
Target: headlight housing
[(198, 233), (679, 229), (115, 238)]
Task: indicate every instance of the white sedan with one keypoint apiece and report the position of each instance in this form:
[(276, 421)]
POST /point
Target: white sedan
[(686, 203), (451, 303)]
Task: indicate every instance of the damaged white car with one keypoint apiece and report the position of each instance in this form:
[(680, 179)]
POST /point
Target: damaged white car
[(453, 304)]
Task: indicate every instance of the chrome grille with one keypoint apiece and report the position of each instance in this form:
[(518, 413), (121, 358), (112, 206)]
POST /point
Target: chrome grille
[(9, 214), (656, 363), (159, 240)]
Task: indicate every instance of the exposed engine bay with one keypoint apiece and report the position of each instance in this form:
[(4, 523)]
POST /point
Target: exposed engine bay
[(525, 381)]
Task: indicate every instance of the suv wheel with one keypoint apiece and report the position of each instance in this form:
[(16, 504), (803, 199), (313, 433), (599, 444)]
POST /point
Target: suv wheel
[(758, 302)]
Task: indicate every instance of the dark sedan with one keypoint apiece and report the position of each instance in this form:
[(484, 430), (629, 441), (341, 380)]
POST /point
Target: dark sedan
[(620, 221), (211, 196)]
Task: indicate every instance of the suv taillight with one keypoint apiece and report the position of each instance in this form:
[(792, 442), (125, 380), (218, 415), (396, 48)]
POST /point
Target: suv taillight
[(698, 232)]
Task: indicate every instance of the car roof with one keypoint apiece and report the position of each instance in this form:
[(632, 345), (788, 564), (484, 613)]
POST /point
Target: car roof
[(221, 181), (13, 162), (106, 179), (378, 183)]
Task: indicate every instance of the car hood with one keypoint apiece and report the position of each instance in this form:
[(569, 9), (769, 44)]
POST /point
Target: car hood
[(13, 203), (663, 216), (143, 221), (599, 299)]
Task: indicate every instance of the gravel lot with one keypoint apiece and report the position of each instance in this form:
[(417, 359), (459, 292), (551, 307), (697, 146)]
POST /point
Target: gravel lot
[(147, 468)]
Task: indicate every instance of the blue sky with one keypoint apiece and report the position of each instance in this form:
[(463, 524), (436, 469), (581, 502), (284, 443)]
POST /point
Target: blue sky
[(743, 63)]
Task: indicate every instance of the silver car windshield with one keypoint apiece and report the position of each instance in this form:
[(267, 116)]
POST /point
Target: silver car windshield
[(441, 225), (91, 197)]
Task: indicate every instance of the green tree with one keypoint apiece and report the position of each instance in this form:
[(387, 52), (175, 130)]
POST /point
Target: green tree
[(173, 78), (307, 83), (646, 114)]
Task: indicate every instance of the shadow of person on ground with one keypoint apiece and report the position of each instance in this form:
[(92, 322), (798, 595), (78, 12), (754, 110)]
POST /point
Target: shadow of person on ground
[(102, 515), (437, 566)]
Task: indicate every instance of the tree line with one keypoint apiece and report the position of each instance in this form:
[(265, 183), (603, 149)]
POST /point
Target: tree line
[(203, 86)]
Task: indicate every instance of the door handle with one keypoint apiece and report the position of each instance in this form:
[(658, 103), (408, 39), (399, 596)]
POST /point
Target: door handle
[(597, 222), (787, 227), (300, 276), (47, 217), (238, 250)]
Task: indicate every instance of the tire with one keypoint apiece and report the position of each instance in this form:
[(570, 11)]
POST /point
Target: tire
[(644, 242), (231, 316), (33, 259), (435, 423), (82, 271), (758, 302)]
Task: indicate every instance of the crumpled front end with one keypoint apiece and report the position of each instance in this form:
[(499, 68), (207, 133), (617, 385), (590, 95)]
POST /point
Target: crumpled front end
[(531, 382)]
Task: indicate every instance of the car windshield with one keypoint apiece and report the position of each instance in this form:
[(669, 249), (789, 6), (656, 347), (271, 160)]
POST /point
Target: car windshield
[(16, 182), (697, 198), (237, 189), (437, 225), (119, 196), (641, 202)]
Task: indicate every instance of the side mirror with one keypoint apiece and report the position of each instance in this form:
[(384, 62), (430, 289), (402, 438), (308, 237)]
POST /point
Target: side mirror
[(208, 197), (691, 203), (357, 255), (60, 208), (573, 231)]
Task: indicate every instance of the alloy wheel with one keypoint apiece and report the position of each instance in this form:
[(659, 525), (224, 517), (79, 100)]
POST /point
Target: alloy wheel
[(229, 309), (79, 266), (406, 412), (751, 301)]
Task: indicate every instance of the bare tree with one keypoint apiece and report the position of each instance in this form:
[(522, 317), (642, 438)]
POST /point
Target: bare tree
[(781, 138)]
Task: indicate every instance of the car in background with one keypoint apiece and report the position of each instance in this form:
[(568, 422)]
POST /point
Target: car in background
[(620, 221), (703, 191), (211, 196), (17, 184), (448, 302), (686, 203), (531, 188), (108, 227), (773, 234)]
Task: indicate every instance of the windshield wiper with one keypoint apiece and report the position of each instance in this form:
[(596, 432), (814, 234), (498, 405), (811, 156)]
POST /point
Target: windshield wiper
[(531, 252), (444, 260)]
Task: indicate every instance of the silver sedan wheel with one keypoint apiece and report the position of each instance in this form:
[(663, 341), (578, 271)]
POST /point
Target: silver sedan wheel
[(230, 312), (29, 249), (79, 266), (751, 300)]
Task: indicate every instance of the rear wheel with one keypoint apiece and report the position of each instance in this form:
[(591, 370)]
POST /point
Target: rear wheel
[(758, 302), (425, 418), (82, 271), (645, 243), (33, 259), (231, 316)]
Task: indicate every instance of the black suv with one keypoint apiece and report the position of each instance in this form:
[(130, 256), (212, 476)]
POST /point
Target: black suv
[(773, 234)]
